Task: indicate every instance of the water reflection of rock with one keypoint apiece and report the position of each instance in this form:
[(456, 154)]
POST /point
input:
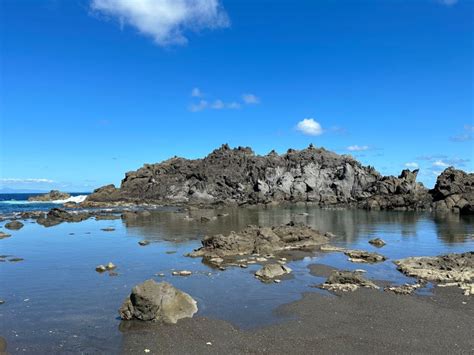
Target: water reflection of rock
[(454, 228), (347, 224)]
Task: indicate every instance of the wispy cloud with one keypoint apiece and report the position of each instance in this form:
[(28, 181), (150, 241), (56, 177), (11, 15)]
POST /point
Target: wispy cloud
[(250, 99), (358, 148), (218, 104), (25, 181), (464, 136), (412, 165), (201, 105), (166, 21), (440, 164), (448, 2), (196, 92), (309, 127)]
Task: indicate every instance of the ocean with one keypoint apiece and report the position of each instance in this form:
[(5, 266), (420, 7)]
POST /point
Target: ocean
[(18, 202)]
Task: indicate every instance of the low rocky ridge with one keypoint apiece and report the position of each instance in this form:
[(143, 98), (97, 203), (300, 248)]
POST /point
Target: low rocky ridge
[(53, 195), (448, 270), (313, 175), (255, 240), (56, 216), (158, 302)]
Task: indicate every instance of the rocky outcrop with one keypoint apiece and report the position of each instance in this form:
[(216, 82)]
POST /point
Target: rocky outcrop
[(313, 175), (449, 270), (56, 216), (454, 191), (238, 176), (53, 195), (260, 240), (157, 302)]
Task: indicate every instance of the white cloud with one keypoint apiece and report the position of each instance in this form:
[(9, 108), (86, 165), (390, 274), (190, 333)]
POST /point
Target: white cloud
[(310, 127), (201, 105), (440, 164), (165, 20), (250, 99), (358, 148), (196, 92), (412, 165), (218, 105), (25, 181), (233, 105)]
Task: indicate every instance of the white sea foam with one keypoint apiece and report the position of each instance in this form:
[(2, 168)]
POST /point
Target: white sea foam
[(76, 199)]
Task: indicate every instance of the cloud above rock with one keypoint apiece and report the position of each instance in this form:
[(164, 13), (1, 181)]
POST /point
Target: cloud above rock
[(309, 127)]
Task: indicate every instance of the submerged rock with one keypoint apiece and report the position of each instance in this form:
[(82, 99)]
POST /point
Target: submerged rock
[(377, 242), (53, 195), (158, 302), (106, 217), (271, 271), (362, 256), (443, 268), (346, 281), (14, 225), (4, 235), (108, 229), (260, 240)]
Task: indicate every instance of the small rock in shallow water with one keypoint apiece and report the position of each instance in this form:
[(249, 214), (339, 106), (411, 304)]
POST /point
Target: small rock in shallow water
[(14, 225), (100, 268), (271, 271), (15, 260), (4, 235), (362, 256), (182, 273), (110, 266), (377, 242), (158, 302), (143, 242)]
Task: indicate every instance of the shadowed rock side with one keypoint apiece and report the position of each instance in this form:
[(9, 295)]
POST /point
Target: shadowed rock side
[(454, 190), (238, 176)]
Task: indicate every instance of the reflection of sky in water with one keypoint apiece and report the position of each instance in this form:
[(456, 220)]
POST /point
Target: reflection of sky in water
[(68, 303)]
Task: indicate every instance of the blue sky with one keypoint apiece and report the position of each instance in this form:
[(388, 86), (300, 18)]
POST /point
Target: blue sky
[(91, 89)]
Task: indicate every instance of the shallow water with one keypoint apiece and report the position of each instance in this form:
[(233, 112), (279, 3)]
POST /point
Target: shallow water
[(55, 301)]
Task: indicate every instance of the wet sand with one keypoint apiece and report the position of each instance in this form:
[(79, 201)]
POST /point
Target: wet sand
[(365, 321)]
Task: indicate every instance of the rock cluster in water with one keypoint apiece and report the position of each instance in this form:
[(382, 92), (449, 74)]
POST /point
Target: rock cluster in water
[(157, 302), (260, 240), (53, 195), (450, 269), (238, 176)]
